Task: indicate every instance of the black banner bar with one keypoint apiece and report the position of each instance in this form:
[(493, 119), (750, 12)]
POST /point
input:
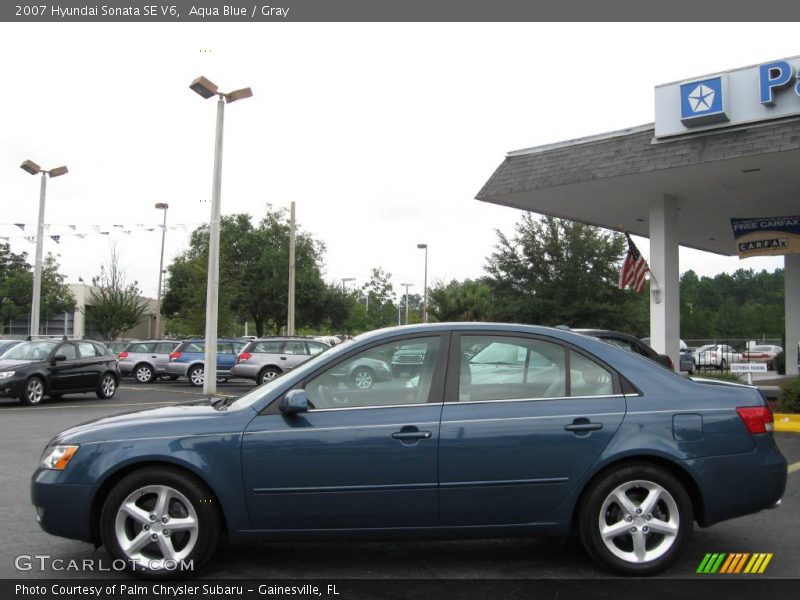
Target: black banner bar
[(150, 11)]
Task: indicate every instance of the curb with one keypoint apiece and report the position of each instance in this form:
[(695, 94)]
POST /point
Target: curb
[(786, 422)]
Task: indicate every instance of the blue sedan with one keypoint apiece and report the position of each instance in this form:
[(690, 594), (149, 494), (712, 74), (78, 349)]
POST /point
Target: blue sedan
[(503, 430)]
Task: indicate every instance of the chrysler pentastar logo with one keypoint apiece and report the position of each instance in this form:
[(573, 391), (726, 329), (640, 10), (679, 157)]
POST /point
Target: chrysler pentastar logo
[(701, 98)]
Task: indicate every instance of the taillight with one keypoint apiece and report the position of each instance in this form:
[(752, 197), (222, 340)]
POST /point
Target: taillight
[(671, 364), (123, 355), (174, 355), (244, 356), (757, 419)]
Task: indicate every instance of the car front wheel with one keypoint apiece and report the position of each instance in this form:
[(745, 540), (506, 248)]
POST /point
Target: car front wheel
[(161, 522), (34, 391), (636, 520)]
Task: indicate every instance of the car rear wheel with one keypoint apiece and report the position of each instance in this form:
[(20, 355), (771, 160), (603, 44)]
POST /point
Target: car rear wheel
[(196, 376), (159, 521), (723, 365), (143, 373), (268, 374), (636, 520), (362, 378), (107, 387), (33, 393)]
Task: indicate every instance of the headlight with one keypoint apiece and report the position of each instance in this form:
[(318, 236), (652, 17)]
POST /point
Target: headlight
[(58, 457), (6, 374)]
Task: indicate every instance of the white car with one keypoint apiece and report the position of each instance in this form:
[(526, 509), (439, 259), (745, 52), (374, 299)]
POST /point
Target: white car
[(717, 356)]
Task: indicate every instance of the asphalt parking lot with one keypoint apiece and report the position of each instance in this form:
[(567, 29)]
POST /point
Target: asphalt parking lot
[(26, 430)]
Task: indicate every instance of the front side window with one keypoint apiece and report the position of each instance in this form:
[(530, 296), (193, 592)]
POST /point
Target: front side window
[(67, 350), (315, 348), (294, 348), (366, 379)]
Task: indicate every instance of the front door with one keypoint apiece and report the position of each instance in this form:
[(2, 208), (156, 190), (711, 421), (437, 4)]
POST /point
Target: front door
[(525, 417), (66, 374), (363, 456)]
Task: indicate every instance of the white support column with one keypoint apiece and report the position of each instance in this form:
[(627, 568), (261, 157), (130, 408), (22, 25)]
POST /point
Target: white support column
[(79, 316), (665, 317), (791, 275)]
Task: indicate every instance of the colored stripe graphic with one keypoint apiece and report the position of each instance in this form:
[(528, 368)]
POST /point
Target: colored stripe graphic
[(722, 563)]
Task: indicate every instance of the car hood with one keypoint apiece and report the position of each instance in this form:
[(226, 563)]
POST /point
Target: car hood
[(8, 364), (198, 417)]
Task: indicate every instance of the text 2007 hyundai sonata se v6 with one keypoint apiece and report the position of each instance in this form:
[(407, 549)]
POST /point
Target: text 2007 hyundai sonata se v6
[(504, 430)]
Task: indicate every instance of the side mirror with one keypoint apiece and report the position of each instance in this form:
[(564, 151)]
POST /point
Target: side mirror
[(59, 358), (295, 401)]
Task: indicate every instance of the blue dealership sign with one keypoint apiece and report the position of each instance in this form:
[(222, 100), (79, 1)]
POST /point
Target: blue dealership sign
[(704, 101)]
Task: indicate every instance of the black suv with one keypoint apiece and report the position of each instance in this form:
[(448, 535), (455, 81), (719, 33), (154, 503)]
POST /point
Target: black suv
[(35, 369)]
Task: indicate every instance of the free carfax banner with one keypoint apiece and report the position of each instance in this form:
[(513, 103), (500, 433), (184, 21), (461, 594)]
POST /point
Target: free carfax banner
[(766, 236)]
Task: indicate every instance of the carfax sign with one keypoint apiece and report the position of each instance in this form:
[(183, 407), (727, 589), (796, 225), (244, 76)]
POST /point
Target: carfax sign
[(766, 236), (759, 93)]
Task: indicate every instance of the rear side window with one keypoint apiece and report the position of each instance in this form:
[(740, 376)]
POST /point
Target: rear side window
[(194, 347), (587, 378), (165, 347), (315, 348), (141, 348), (86, 350), (270, 347), (294, 348)]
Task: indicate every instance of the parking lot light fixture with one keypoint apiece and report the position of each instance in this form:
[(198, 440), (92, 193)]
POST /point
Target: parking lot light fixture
[(425, 285), (345, 280), (31, 167), (161, 206), (207, 89)]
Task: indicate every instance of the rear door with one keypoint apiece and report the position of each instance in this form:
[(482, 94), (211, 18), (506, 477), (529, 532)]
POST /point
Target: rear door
[(524, 418)]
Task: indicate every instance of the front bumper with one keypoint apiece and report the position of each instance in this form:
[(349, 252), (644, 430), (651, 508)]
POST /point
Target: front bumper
[(176, 368), (12, 387), (62, 509)]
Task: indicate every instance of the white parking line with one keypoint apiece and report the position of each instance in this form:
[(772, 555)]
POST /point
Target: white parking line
[(794, 467), (30, 408)]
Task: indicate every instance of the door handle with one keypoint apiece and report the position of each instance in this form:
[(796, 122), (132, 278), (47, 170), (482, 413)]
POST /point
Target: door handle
[(283, 358), (583, 425), (409, 434)]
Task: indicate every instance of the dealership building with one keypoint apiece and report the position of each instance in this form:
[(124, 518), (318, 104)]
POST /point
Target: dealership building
[(719, 171)]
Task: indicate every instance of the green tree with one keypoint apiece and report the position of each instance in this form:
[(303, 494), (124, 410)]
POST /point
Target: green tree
[(554, 271), (254, 277), (468, 300), (114, 306), (16, 287)]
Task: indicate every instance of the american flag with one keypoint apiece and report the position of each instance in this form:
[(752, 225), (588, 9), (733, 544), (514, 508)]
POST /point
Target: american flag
[(633, 269)]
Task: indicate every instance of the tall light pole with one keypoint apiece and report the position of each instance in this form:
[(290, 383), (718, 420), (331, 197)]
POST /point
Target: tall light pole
[(161, 206), (34, 169), (425, 284), (207, 89), (292, 273), (406, 285)]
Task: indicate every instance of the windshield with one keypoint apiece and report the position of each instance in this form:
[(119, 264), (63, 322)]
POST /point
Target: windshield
[(262, 390), (31, 351)]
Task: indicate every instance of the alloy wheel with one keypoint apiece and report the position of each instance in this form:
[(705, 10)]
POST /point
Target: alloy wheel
[(639, 521), (156, 526), (34, 391), (108, 386), (144, 374)]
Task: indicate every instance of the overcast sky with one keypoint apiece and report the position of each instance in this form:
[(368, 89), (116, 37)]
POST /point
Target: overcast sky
[(381, 133)]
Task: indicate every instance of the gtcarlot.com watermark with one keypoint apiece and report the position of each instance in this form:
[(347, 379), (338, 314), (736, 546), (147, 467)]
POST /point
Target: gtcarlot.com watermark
[(44, 562)]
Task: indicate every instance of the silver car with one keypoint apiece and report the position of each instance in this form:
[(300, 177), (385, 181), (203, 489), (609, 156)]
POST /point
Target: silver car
[(147, 359), (263, 360)]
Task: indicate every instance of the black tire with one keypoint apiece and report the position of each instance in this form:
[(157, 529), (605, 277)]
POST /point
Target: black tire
[(107, 387), (143, 373), (189, 497), (673, 509), (196, 376), (268, 374), (723, 365), (362, 378), (34, 391)]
